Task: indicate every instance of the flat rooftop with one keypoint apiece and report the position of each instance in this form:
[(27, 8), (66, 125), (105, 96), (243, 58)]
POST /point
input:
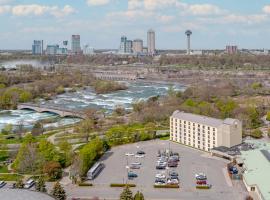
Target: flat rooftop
[(258, 166), (200, 119)]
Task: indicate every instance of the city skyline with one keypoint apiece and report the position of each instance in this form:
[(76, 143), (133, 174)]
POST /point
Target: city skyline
[(219, 23)]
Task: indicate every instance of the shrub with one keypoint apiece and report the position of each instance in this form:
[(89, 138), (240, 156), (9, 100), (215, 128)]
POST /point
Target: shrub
[(257, 133), (268, 116), (85, 184)]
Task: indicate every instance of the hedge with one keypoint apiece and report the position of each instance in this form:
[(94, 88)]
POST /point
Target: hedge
[(122, 185), (203, 187), (85, 184), (166, 186)]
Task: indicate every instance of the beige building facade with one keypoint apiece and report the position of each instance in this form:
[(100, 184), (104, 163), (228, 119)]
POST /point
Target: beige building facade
[(203, 132), (138, 46)]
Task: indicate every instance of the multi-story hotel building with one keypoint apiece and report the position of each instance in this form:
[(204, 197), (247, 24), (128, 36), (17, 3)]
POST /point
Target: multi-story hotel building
[(203, 132)]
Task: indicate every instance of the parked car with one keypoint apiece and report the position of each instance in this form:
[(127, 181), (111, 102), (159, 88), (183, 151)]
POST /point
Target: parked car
[(132, 175), (172, 164), (173, 173), (140, 152), (160, 167), (172, 182), (30, 183), (233, 170), (174, 158), (161, 176), (136, 163), (201, 182), (200, 176), (2, 184), (139, 156), (129, 154), (160, 182), (135, 167)]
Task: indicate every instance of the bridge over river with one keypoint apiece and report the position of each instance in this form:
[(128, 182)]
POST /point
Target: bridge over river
[(57, 110)]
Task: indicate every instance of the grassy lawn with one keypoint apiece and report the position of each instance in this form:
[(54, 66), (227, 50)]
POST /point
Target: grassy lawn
[(3, 156), (10, 177), (3, 169), (165, 138)]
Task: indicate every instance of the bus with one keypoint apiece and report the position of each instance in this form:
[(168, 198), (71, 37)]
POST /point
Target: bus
[(94, 171)]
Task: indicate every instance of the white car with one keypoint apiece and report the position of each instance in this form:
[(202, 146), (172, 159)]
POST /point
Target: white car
[(200, 176), (161, 176), (172, 182), (2, 184), (136, 163), (139, 156), (129, 154), (30, 183)]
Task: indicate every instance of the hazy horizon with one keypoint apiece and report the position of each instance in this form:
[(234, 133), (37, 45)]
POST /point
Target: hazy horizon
[(101, 23)]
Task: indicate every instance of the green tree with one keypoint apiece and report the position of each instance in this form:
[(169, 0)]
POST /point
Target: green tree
[(89, 154), (48, 151), (58, 192), (37, 129), (19, 184), (257, 133), (7, 129), (139, 196), (66, 151), (268, 116), (126, 194), (40, 185), (53, 170), (27, 157)]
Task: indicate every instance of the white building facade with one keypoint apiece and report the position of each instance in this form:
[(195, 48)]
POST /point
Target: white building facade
[(203, 132), (151, 42)]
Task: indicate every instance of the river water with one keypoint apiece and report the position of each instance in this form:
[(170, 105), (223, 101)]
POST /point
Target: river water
[(87, 98)]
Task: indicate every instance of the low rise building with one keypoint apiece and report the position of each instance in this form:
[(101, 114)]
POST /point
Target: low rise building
[(257, 166), (203, 132)]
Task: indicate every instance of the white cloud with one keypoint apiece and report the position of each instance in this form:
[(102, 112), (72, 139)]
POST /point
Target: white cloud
[(5, 1), (236, 19), (39, 30), (266, 9), (135, 4), (37, 10), (4, 9), (165, 18), (204, 9), (67, 10), (131, 14), (97, 2), (159, 4)]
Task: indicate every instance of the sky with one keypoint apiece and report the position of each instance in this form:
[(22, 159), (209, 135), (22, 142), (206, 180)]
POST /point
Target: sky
[(101, 23)]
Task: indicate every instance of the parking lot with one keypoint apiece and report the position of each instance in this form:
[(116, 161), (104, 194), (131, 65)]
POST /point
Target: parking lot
[(191, 162)]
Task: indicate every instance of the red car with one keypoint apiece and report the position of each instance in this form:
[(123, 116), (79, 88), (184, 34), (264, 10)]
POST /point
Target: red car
[(202, 182)]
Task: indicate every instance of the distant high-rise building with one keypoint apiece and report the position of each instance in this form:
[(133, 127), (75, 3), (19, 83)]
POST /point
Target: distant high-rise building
[(37, 47), (188, 33), (87, 50), (125, 45), (231, 49), (138, 46), (76, 44), (151, 42), (55, 50)]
